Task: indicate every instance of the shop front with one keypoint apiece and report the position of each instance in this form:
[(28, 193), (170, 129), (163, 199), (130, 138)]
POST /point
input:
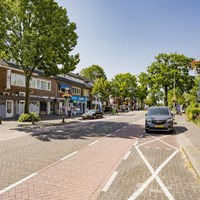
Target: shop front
[(79, 103)]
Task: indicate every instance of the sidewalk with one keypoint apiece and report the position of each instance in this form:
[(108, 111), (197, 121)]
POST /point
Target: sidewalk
[(188, 136)]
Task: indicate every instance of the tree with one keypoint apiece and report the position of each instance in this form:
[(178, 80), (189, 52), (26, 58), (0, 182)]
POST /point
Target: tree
[(93, 72), (142, 90), (102, 87), (38, 35), (170, 71), (124, 85)]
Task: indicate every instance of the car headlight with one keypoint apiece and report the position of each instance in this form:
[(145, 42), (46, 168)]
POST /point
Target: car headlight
[(148, 120)]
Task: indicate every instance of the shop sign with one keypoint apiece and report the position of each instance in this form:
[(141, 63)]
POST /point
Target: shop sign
[(78, 98)]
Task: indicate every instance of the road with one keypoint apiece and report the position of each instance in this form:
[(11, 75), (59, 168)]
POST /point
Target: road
[(108, 158)]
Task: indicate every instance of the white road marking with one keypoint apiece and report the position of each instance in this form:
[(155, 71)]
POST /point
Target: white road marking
[(146, 147), (93, 143), (154, 176), (9, 138), (168, 144), (110, 181), (136, 143), (157, 148), (154, 173), (17, 183), (69, 155), (151, 141), (127, 155)]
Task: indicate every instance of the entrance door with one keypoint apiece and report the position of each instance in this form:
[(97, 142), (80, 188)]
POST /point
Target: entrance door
[(21, 107), (9, 108)]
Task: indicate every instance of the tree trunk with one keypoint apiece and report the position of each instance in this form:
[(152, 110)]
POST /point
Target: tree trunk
[(166, 96), (27, 96)]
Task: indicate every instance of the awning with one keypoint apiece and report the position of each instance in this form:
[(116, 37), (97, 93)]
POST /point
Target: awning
[(64, 86)]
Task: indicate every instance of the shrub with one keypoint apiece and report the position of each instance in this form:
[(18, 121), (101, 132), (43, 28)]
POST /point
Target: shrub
[(29, 117), (192, 113)]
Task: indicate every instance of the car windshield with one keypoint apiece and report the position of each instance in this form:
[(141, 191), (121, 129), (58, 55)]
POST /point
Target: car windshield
[(158, 111), (91, 111)]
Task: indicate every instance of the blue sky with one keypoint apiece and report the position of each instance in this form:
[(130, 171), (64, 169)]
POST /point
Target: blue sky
[(125, 35)]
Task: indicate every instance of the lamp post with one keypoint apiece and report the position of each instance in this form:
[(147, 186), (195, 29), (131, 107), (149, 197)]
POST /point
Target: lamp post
[(174, 97)]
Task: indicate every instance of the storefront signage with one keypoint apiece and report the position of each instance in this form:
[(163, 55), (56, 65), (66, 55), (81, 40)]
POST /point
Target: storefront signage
[(78, 98)]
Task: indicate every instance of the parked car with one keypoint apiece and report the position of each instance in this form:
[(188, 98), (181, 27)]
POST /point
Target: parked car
[(92, 114), (159, 119)]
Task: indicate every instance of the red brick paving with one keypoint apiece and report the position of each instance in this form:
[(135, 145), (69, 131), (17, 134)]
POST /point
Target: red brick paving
[(77, 177)]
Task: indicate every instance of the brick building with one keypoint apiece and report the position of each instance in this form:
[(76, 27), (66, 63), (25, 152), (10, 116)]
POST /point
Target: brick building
[(51, 95)]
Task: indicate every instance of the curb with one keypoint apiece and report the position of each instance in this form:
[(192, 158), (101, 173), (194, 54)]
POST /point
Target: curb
[(189, 150)]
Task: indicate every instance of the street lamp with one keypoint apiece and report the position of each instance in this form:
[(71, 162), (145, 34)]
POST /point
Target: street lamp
[(174, 97)]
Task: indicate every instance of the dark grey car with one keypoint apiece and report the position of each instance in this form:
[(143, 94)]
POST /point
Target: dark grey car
[(159, 119), (91, 114)]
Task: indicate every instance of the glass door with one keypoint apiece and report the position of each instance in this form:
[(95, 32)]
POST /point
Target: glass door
[(9, 108)]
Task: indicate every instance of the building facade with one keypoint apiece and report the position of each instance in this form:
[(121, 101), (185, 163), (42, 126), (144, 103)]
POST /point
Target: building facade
[(52, 95)]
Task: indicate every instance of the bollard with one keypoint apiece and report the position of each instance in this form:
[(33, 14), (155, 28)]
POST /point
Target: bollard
[(0, 120), (63, 119), (33, 120)]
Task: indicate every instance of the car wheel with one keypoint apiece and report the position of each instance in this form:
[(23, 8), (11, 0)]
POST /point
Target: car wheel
[(173, 131), (146, 131)]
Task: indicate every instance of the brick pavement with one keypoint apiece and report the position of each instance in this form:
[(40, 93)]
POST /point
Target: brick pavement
[(188, 135), (79, 175), (133, 181), (67, 179)]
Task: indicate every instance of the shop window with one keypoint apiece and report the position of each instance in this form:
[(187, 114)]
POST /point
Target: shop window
[(43, 106)]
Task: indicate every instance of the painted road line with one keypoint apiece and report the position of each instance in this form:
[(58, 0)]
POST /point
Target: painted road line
[(93, 143), (2, 140), (158, 148), (136, 143), (127, 155), (168, 144), (110, 181), (69, 155), (154, 176), (17, 183), (155, 138)]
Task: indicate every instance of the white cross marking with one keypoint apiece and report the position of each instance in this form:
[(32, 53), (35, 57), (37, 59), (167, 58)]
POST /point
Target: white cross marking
[(154, 173)]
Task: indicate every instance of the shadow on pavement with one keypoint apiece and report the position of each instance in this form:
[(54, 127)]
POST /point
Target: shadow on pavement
[(91, 129), (180, 129)]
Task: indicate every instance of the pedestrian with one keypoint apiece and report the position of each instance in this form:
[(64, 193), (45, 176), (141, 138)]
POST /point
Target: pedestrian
[(178, 109), (69, 111)]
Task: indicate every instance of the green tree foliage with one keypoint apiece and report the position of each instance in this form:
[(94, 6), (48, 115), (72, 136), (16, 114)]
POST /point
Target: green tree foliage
[(167, 70), (38, 35), (124, 85), (102, 87), (93, 72), (193, 97), (142, 90)]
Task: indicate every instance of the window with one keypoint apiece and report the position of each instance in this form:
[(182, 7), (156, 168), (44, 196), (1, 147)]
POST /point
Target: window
[(18, 80), (63, 88), (86, 93), (76, 90)]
